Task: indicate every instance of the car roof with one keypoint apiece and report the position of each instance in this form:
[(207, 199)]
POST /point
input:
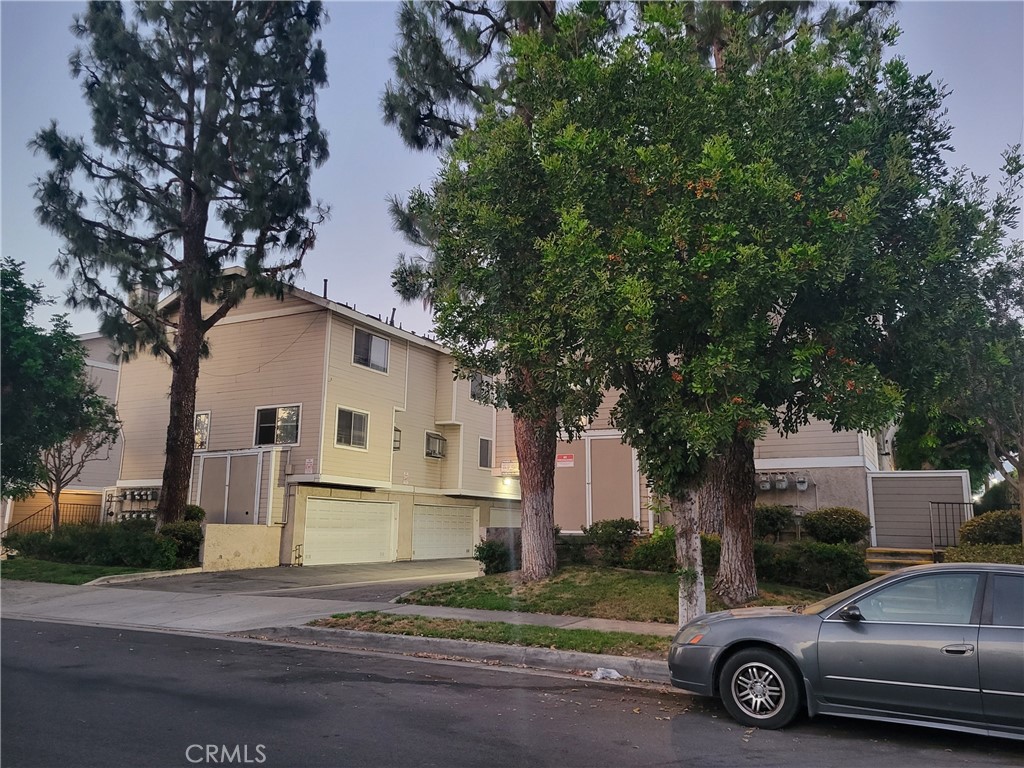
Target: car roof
[(994, 567)]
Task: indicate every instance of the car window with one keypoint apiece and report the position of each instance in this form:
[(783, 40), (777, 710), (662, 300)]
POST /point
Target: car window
[(942, 598), (1007, 601)]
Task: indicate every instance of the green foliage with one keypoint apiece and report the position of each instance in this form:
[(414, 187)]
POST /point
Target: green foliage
[(133, 544), (42, 379), (1011, 554), (816, 565), (997, 527), (710, 553), (772, 520), (931, 439), (495, 556), (1001, 495), (571, 550), (613, 538), (656, 552), (201, 159), (188, 537), (837, 525), (194, 513)]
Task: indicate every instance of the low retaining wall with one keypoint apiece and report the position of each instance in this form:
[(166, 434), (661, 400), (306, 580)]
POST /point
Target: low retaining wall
[(234, 547)]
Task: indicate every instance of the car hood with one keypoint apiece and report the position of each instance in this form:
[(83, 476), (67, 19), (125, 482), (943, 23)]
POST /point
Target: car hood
[(750, 613)]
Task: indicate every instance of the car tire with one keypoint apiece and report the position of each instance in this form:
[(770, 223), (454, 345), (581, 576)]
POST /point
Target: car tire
[(759, 688)]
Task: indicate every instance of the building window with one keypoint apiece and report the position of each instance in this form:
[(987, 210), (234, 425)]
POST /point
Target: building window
[(485, 453), (278, 425), (479, 386), (202, 430), (352, 428), (396, 440), (371, 351), (436, 446)]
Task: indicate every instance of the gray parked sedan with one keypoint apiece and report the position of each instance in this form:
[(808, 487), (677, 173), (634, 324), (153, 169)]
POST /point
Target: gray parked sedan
[(936, 645)]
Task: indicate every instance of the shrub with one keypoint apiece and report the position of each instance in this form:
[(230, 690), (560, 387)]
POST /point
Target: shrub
[(772, 520), (819, 566), (657, 552), (764, 560), (571, 550), (194, 513), (132, 544), (1001, 527), (1000, 496), (613, 538), (710, 553), (187, 536), (837, 525), (1012, 554), (495, 556)]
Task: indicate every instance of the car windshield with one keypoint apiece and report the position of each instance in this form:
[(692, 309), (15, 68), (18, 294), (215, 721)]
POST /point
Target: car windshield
[(832, 600)]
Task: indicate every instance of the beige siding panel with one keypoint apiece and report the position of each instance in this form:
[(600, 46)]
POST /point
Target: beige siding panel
[(571, 488), (611, 479), (869, 449), (902, 510), (477, 421), (444, 386), (102, 472), (813, 440), (603, 419), (411, 467), (504, 438), (100, 349), (358, 388), (143, 410)]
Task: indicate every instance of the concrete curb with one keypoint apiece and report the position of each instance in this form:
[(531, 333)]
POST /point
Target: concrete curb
[(646, 670), (127, 578)]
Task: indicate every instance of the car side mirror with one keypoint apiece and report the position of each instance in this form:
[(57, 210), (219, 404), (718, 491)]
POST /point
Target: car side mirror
[(851, 613)]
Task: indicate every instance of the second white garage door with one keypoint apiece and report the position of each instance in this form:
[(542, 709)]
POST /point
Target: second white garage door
[(349, 532), (440, 532)]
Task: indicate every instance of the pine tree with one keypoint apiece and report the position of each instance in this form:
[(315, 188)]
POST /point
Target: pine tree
[(205, 135)]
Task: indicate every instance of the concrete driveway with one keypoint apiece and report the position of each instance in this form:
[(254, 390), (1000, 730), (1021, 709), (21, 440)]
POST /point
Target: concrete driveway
[(369, 582)]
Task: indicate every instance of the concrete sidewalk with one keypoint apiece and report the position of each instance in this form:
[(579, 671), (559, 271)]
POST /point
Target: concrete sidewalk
[(285, 619)]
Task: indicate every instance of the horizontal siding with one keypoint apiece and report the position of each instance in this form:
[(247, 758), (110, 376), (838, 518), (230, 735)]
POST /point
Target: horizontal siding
[(102, 472), (356, 387), (815, 439), (411, 467), (902, 510)]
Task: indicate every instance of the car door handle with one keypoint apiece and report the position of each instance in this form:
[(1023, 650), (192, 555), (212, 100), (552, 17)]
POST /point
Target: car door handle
[(958, 650)]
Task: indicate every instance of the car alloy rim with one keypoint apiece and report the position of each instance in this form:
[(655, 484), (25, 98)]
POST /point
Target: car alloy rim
[(758, 690)]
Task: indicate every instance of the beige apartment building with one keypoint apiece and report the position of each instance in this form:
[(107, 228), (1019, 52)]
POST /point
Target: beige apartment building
[(323, 435)]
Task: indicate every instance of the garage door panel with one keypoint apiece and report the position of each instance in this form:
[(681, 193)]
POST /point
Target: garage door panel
[(340, 531), (443, 532)]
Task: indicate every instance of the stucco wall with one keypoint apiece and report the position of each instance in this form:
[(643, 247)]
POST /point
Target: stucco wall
[(234, 547)]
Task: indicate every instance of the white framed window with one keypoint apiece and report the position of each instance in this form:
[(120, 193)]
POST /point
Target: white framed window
[(370, 351), (436, 446), (396, 439), (202, 430), (486, 452), (277, 425), (479, 386), (353, 427)]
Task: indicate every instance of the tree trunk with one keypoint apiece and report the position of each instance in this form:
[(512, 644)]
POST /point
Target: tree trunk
[(711, 498), (536, 444), (736, 582), (692, 596), (180, 444), (55, 514)]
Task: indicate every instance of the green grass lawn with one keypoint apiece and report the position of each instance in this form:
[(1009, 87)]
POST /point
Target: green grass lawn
[(589, 591), (584, 640), (27, 569)]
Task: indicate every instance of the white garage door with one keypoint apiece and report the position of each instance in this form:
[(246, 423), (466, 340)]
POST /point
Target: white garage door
[(349, 532), (439, 532)]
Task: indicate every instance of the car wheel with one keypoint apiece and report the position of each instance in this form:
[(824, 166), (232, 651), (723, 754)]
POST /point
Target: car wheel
[(759, 688)]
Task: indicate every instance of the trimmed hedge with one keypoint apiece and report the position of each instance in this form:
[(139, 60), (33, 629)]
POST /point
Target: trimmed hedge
[(772, 520), (1012, 554), (188, 536), (657, 552), (495, 556), (613, 538), (132, 544), (816, 565), (999, 527), (837, 525)]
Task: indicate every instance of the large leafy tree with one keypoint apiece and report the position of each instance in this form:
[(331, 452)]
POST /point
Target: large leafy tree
[(764, 217), (504, 304), (204, 138), (41, 382)]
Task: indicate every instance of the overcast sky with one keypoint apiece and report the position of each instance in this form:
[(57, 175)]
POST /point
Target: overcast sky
[(976, 48)]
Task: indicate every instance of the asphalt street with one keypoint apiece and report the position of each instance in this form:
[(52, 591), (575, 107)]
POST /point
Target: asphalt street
[(88, 696)]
